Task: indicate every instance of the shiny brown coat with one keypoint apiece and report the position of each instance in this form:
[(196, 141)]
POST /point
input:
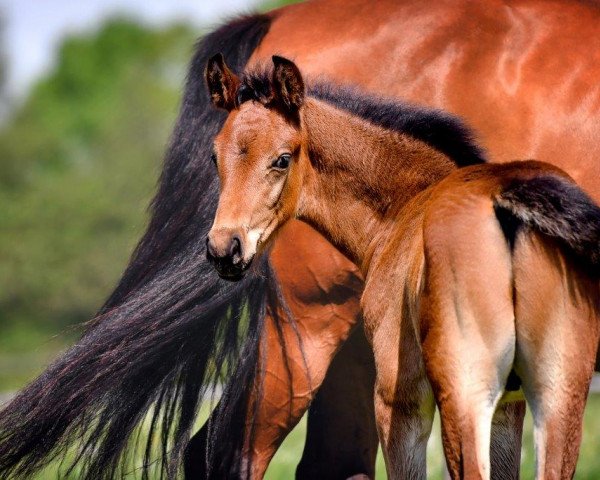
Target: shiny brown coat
[(452, 258), (523, 73)]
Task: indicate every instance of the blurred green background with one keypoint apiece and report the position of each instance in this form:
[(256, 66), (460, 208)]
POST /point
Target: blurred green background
[(80, 153), (79, 158)]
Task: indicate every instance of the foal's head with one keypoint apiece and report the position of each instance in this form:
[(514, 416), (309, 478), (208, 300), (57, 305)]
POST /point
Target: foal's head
[(259, 153)]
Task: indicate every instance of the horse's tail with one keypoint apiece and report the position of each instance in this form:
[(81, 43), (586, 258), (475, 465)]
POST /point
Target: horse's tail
[(168, 333), (555, 206)]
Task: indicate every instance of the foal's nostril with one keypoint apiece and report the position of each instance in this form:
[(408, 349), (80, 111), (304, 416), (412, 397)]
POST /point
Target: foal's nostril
[(211, 253), (224, 251), (235, 250)]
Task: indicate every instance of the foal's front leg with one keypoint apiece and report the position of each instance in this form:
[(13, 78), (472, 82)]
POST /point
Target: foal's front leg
[(404, 425)]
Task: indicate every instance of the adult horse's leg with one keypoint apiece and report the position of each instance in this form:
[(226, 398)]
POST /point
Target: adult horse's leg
[(341, 440), (321, 289), (343, 410), (505, 450)]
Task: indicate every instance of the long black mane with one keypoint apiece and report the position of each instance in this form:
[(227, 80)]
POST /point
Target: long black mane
[(441, 130), (168, 333)]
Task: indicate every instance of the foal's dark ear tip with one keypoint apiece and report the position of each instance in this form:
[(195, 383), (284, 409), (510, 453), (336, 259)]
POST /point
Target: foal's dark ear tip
[(217, 59), (278, 60), (288, 83)]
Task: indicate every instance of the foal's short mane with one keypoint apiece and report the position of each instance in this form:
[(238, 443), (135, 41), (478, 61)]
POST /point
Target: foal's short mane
[(440, 130)]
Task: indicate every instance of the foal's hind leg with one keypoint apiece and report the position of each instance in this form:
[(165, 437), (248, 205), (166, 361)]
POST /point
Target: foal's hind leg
[(404, 404), (467, 331), (557, 335), (468, 378)]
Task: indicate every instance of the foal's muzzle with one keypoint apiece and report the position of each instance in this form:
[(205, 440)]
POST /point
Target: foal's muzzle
[(225, 253)]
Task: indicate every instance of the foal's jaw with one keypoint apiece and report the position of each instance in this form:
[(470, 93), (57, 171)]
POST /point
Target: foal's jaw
[(232, 250)]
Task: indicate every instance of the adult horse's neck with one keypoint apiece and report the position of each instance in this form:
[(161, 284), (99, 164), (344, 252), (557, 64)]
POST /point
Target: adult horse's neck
[(360, 176)]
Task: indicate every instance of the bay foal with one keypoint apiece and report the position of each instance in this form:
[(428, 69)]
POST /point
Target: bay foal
[(485, 281)]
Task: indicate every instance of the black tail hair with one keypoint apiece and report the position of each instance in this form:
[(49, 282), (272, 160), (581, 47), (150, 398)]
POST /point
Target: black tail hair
[(556, 207), (168, 333)]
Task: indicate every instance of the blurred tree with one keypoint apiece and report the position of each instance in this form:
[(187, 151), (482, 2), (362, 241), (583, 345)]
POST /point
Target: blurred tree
[(273, 4), (79, 159), (78, 164)]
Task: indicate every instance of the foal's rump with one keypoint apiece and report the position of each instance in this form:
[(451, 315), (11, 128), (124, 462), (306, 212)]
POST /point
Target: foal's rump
[(512, 283), (527, 197), (549, 227), (556, 272)]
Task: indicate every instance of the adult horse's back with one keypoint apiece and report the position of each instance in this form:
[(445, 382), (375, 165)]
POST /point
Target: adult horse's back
[(524, 74)]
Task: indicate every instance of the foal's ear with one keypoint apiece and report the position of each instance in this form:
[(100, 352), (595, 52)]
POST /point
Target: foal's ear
[(222, 83), (287, 83)]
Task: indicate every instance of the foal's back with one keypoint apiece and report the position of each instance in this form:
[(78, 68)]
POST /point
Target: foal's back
[(511, 258)]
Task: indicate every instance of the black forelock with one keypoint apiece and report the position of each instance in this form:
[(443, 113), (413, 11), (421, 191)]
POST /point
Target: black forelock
[(441, 130), (256, 85)]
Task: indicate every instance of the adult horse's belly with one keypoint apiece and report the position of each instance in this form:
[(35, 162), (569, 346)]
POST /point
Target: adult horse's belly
[(524, 74)]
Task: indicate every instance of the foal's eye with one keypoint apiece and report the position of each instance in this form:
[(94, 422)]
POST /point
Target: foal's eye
[(282, 162)]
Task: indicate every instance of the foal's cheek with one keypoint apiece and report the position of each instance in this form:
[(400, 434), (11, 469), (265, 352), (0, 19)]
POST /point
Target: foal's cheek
[(275, 191)]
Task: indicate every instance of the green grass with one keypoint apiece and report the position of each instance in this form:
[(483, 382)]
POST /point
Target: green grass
[(25, 351), (283, 465), (16, 369)]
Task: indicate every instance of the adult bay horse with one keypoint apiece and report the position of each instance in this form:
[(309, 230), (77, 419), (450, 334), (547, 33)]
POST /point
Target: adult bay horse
[(520, 73), (471, 274)]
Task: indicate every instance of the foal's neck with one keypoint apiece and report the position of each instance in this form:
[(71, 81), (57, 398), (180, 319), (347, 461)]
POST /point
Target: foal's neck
[(360, 177)]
